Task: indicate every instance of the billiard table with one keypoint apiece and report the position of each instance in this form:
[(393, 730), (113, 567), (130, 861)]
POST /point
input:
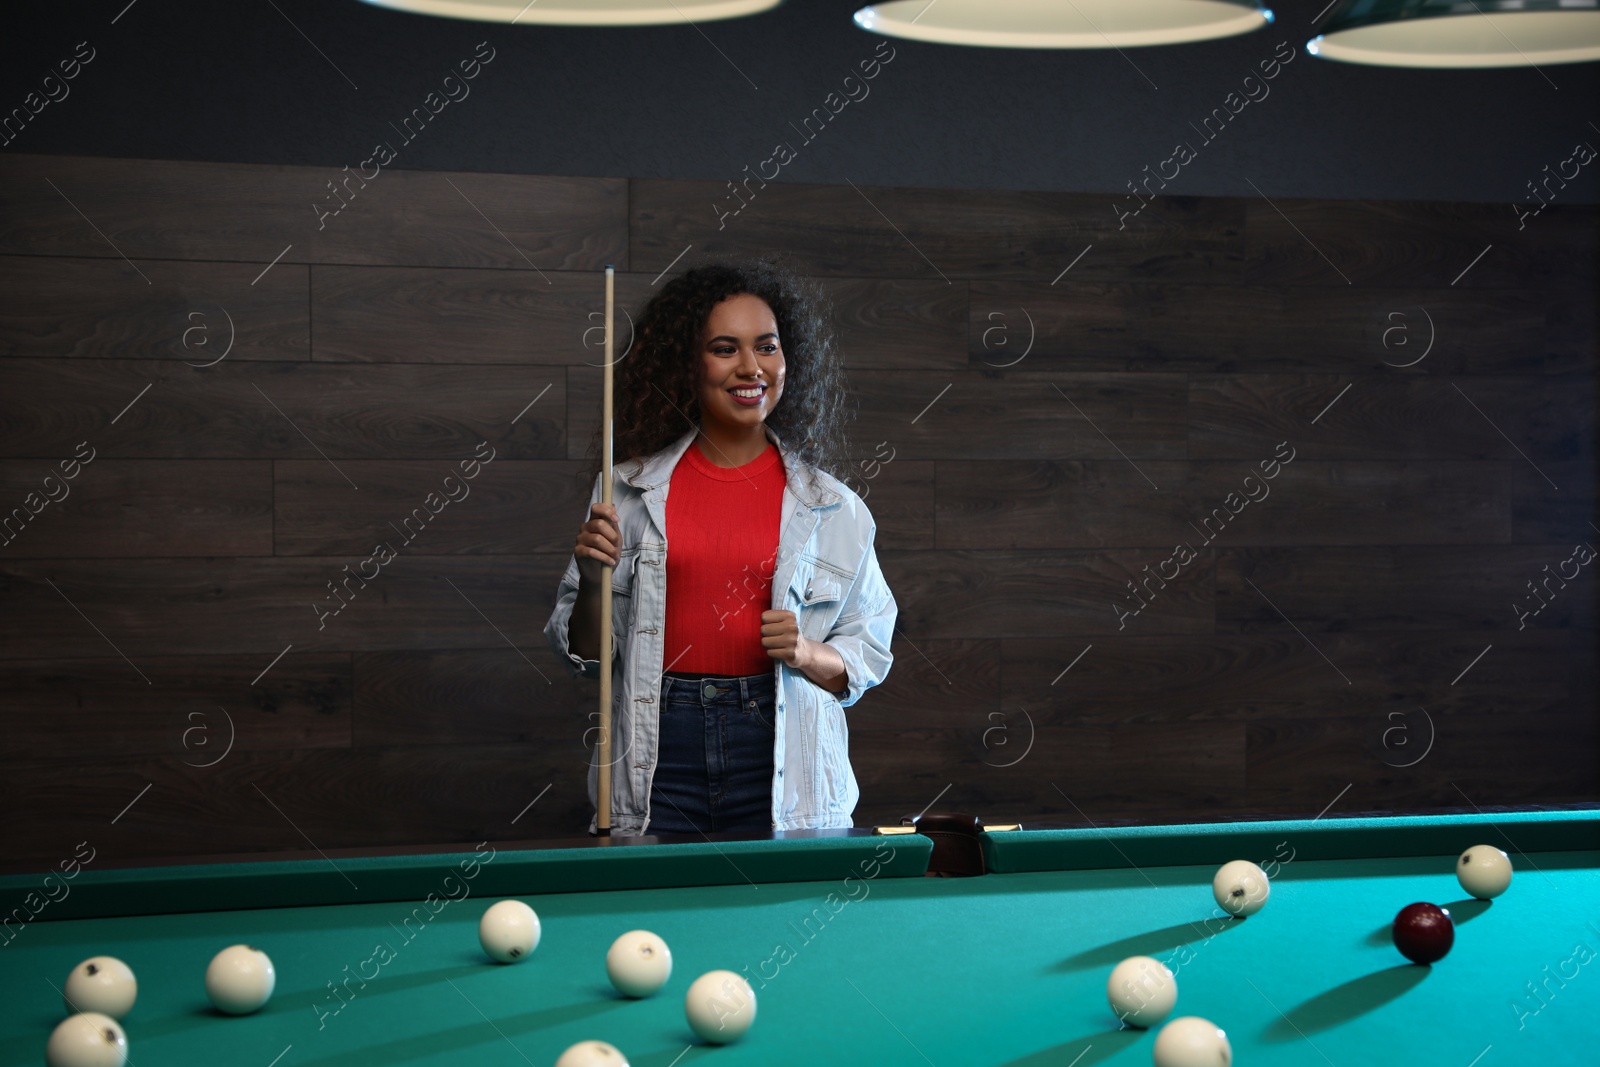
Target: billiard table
[(855, 955)]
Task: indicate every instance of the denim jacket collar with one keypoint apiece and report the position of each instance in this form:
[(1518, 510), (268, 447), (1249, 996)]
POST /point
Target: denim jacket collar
[(658, 468)]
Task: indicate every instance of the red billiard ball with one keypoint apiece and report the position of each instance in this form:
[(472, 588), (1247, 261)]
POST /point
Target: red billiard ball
[(1423, 932)]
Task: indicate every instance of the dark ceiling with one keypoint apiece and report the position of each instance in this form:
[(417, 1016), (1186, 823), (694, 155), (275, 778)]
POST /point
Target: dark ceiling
[(319, 81)]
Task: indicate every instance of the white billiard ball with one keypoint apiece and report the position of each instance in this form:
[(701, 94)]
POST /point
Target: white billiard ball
[(101, 984), (508, 931), (1141, 991), (240, 979), (721, 1006), (88, 1039), (1241, 888), (592, 1054), (1484, 871), (639, 963), (1192, 1042)]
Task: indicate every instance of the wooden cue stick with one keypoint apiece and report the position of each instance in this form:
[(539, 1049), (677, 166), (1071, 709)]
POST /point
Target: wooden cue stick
[(603, 814)]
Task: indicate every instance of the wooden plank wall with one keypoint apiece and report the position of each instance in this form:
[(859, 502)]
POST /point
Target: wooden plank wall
[(1054, 402)]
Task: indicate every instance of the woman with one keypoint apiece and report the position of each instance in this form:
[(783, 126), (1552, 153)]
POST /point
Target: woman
[(737, 651)]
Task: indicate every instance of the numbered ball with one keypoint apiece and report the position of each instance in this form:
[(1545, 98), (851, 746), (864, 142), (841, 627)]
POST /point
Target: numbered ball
[(508, 931), (1192, 1042), (721, 1006), (240, 979), (592, 1054), (1423, 932), (639, 963), (1241, 888), (1484, 871), (1142, 991), (102, 984), (88, 1039)]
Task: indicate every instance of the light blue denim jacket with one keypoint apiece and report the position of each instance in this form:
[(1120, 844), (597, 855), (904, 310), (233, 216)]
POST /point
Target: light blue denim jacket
[(826, 573)]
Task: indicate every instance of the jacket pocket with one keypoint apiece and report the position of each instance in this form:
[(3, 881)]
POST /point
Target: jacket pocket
[(818, 594)]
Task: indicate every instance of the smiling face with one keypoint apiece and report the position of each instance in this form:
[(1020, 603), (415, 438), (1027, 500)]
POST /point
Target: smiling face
[(740, 352)]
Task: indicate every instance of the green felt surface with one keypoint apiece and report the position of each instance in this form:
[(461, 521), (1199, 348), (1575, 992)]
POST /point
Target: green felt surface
[(1396, 835), (1003, 969), (270, 883)]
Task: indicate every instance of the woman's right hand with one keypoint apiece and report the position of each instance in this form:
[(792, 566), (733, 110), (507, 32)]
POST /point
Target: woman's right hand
[(599, 542)]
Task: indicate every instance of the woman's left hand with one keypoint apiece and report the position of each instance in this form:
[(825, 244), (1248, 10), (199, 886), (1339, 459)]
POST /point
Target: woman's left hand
[(817, 660), (781, 637)]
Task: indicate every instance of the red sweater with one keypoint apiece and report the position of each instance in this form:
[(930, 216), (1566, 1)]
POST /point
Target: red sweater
[(722, 525)]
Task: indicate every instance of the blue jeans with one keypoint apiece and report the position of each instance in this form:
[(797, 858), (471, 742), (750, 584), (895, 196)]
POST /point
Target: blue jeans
[(714, 768)]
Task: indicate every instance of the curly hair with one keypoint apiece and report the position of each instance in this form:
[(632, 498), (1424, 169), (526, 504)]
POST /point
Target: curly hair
[(657, 380)]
